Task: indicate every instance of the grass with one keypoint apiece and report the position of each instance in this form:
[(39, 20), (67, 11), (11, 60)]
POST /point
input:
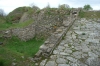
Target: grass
[(14, 48), (5, 25), (89, 14), (22, 24)]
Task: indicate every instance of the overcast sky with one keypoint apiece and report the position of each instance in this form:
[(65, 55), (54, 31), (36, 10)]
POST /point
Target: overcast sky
[(9, 5)]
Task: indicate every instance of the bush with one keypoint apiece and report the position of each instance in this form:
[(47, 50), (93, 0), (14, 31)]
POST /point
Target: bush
[(87, 7), (81, 14)]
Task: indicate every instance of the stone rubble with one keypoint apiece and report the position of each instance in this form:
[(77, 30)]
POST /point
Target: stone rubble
[(50, 44), (80, 47)]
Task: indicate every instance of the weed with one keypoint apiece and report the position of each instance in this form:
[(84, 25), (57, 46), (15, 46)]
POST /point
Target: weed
[(81, 14), (69, 45), (83, 34), (74, 50), (63, 37)]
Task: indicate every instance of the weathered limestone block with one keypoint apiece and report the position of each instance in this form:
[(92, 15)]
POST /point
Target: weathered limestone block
[(59, 30), (43, 47), (51, 45), (7, 34), (49, 50), (38, 53), (51, 63)]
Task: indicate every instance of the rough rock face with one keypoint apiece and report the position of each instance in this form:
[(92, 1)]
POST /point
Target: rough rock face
[(47, 21), (24, 33), (24, 17)]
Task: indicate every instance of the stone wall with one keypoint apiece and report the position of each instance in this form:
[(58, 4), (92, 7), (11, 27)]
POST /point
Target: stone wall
[(52, 41), (26, 33), (45, 23)]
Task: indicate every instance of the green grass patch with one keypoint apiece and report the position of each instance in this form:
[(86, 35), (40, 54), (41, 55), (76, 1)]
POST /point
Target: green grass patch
[(89, 14), (3, 23), (6, 25), (14, 48)]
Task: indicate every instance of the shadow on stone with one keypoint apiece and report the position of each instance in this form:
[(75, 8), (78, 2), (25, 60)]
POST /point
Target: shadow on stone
[(1, 43)]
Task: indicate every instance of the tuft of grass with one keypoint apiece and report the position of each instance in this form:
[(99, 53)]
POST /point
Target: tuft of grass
[(69, 45)]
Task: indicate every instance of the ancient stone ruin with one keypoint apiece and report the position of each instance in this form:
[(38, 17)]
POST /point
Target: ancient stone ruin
[(49, 45)]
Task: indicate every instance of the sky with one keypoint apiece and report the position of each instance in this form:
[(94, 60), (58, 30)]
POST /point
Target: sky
[(9, 5)]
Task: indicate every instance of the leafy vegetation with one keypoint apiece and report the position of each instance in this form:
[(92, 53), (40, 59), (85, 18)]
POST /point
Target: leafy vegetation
[(87, 7), (81, 14), (15, 50)]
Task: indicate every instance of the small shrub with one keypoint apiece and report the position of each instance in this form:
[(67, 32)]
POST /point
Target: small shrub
[(81, 14)]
